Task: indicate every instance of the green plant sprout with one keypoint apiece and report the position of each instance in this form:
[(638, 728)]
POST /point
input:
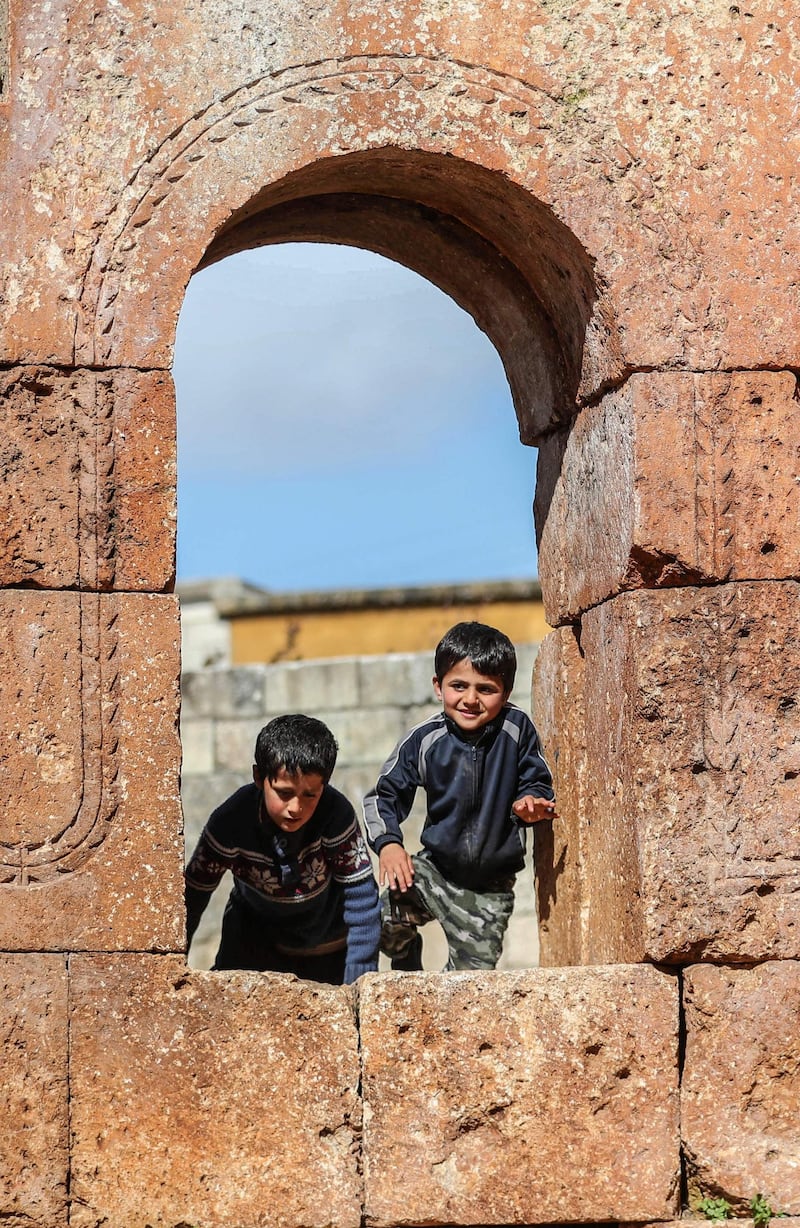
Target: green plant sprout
[(762, 1212), (714, 1208), (720, 1209)]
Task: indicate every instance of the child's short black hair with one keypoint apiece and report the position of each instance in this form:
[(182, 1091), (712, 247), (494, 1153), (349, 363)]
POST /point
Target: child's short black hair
[(490, 652), (298, 744)]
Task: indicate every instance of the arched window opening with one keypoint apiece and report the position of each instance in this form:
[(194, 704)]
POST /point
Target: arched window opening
[(344, 428)]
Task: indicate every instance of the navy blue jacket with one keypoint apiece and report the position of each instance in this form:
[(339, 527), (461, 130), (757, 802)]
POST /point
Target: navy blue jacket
[(471, 785)]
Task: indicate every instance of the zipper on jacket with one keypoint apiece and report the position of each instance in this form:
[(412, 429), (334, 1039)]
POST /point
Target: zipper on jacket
[(474, 806), (474, 750)]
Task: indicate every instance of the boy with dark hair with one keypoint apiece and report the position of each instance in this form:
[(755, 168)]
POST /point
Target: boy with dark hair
[(304, 897), (480, 764)]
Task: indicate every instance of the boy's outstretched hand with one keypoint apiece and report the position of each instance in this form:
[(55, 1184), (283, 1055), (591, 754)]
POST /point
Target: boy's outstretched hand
[(534, 809), (395, 868)]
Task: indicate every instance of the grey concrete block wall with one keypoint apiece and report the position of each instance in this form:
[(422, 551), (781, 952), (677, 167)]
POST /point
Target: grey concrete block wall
[(369, 703)]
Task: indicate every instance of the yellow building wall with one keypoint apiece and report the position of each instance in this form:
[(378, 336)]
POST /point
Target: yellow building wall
[(312, 634)]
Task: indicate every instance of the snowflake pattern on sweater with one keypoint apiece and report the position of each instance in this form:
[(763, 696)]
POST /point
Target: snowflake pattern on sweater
[(341, 855)]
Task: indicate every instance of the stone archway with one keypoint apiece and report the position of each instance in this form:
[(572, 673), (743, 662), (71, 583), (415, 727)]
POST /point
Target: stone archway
[(650, 260), (335, 152), (327, 152), (449, 167), (247, 172)]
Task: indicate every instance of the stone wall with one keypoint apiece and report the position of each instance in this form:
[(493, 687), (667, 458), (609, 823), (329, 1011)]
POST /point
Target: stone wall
[(369, 703), (609, 188), (3, 45)]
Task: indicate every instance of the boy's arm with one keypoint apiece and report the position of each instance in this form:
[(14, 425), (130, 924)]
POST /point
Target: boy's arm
[(362, 917), (348, 856), (389, 803), (205, 868), (535, 797)]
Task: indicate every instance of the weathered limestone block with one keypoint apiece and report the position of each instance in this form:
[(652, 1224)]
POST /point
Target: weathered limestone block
[(234, 744), (197, 744), (741, 1084), (364, 736), (561, 722), (401, 677), (211, 1098), (587, 883), (90, 830), (300, 686), (34, 1139), (87, 479), (205, 691), (673, 480), (202, 794), (237, 692), (520, 1098), (687, 792)]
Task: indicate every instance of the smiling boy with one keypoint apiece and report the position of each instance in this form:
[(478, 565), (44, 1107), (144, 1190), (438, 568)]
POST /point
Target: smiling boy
[(304, 897), (480, 763)]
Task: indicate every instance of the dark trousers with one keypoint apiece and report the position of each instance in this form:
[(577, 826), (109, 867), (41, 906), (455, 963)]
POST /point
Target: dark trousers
[(244, 944)]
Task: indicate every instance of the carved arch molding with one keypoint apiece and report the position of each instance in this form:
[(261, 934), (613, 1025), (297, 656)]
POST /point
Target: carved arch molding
[(469, 145)]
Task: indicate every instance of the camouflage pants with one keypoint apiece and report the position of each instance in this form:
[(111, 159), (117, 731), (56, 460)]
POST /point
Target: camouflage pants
[(474, 922)]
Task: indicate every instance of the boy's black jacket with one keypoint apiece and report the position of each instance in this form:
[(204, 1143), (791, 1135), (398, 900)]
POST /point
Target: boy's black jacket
[(471, 785)]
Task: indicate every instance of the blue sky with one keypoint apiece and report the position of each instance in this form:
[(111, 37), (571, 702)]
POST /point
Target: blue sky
[(342, 423)]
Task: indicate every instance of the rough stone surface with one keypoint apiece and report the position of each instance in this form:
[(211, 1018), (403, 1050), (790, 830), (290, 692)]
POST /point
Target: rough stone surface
[(561, 723), (34, 1142), (211, 1098), (741, 1084), (90, 839), (587, 872), (87, 479), (520, 1098), (672, 480), (687, 840)]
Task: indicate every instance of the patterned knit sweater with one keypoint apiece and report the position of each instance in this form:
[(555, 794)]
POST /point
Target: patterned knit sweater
[(309, 888)]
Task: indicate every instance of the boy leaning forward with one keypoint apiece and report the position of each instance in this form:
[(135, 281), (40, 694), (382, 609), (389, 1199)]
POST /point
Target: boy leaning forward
[(480, 764), (304, 898)]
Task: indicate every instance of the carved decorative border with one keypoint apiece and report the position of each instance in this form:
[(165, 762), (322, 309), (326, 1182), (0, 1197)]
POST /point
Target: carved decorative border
[(74, 842), (71, 846), (470, 88)]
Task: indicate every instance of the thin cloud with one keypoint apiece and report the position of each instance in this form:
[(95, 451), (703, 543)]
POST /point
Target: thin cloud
[(348, 358)]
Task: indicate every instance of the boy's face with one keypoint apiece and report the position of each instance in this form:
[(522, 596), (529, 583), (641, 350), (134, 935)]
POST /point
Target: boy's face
[(290, 800), (469, 698)]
